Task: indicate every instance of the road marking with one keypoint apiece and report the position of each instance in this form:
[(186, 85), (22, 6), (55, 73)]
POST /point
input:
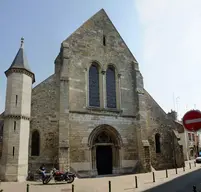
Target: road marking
[(193, 121)]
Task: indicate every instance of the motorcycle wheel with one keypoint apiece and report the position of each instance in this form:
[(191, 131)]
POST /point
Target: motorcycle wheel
[(46, 181), (71, 179)]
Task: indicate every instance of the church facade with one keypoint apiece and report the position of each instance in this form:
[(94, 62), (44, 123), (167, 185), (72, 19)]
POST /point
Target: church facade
[(91, 116)]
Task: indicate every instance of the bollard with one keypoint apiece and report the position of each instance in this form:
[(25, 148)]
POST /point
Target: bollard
[(194, 189), (153, 176), (195, 163), (72, 188), (190, 165), (136, 184), (176, 170), (166, 173), (27, 187), (109, 186), (183, 168)]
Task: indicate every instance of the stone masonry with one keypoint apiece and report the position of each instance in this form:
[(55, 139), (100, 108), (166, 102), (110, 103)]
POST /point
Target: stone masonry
[(69, 127)]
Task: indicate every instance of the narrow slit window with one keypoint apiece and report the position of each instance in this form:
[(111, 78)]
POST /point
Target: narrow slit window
[(16, 99), (158, 143), (13, 151), (104, 40), (14, 125)]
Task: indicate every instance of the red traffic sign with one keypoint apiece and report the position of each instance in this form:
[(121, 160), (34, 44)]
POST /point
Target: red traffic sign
[(192, 120)]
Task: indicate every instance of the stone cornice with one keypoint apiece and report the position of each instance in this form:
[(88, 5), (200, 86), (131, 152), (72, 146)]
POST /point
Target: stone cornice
[(16, 117), (19, 70)]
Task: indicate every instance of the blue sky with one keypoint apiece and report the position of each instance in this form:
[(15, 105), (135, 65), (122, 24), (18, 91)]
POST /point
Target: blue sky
[(163, 35)]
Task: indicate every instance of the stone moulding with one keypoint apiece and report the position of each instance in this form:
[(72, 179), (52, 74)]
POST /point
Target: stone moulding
[(103, 114), (16, 117), (104, 109), (140, 91), (145, 143), (93, 113), (64, 79), (17, 70)]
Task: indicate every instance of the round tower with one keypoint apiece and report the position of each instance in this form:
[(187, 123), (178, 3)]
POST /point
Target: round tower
[(17, 113)]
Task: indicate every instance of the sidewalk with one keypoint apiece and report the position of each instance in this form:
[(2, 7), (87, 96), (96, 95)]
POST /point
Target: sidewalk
[(124, 183)]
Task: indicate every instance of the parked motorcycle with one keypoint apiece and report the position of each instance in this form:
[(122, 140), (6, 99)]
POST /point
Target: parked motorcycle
[(58, 176)]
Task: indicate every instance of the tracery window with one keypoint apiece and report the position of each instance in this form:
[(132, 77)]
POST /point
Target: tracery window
[(94, 92), (111, 87)]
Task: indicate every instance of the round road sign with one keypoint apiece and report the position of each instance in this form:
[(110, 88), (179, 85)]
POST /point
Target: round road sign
[(192, 120)]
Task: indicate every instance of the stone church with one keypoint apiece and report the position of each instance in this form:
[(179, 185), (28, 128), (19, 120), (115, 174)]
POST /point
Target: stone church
[(91, 116)]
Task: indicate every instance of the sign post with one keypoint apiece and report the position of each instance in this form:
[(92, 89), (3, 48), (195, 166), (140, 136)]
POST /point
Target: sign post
[(192, 123), (192, 120)]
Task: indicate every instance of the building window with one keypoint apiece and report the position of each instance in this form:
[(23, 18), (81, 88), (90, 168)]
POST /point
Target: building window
[(157, 143), (111, 87), (35, 144), (14, 126), (94, 93), (13, 151), (193, 137), (104, 40), (189, 136), (16, 99)]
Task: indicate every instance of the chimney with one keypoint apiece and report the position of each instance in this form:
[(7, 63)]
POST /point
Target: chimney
[(172, 115)]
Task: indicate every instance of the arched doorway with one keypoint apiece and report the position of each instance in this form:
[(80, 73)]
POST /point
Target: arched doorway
[(105, 143)]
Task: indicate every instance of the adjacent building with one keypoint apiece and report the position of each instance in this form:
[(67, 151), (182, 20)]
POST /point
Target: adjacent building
[(189, 140)]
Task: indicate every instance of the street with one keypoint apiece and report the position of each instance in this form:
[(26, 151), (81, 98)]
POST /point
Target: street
[(181, 184)]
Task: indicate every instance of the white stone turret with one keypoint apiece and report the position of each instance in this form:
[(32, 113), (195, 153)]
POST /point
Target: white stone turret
[(17, 113)]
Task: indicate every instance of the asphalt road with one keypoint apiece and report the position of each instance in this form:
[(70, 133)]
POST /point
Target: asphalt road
[(184, 183)]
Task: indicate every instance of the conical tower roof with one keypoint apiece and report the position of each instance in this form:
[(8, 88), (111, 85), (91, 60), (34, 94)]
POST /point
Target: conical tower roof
[(20, 61)]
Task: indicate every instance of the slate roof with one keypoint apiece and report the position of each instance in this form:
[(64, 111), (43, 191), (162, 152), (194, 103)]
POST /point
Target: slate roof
[(20, 61)]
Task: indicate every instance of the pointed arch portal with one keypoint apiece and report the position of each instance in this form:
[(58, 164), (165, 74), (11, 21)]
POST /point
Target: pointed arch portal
[(105, 143)]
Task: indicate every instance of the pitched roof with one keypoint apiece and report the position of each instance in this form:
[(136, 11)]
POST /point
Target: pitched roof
[(100, 16), (20, 61)]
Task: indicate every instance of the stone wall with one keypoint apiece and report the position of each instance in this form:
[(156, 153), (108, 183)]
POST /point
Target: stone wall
[(44, 119), (82, 125), (60, 105), (85, 46), (72, 65), (158, 122)]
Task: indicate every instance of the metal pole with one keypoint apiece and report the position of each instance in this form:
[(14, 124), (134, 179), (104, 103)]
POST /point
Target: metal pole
[(153, 176), (109, 186), (136, 184), (194, 189), (27, 187), (166, 171)]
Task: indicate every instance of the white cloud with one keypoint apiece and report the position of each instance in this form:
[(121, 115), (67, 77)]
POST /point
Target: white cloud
[(171, 50)]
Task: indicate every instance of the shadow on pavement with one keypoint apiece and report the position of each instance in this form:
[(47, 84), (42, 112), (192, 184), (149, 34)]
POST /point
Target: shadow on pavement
[(182, 183), (40, 184)]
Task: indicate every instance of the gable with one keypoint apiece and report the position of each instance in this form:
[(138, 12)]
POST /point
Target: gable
[(93, 31)]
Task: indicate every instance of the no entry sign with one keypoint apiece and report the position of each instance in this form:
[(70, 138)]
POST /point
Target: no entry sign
[(192, 120)]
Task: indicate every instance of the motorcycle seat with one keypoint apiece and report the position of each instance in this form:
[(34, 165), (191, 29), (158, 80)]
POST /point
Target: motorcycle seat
[(59, 172)]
